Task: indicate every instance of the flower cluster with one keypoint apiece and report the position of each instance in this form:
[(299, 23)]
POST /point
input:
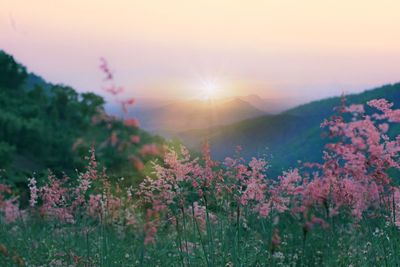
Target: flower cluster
[(9, 206), (92, 194), (352, 180)]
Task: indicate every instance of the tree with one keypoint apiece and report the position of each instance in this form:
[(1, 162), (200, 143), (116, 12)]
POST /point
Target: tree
[(12, 74)]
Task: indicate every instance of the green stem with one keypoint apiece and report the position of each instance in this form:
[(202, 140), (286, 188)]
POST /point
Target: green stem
[(209, 231), (179, 242)]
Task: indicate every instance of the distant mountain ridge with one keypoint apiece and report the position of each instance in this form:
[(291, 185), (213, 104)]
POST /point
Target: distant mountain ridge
[(168, 117), (286, 137), (269, 105), (177, 116)]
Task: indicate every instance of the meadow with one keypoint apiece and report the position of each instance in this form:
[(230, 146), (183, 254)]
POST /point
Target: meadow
[(229, 133), (195, 211)]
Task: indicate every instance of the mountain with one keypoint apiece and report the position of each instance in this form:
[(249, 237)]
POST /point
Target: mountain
[(168, 117), (269, 105), (195, 114), (284, 138)]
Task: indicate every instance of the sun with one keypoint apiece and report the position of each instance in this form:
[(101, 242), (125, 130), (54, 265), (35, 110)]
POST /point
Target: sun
[(209, 90)]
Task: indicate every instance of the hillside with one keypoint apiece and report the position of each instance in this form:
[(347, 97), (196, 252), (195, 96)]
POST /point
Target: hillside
[(284, 138), (46, 126)]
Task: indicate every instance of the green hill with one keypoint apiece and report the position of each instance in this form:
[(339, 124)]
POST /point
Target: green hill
[(46, 126)]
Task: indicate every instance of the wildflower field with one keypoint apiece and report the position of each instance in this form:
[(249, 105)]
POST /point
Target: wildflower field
[(193, 211), (228, 134)]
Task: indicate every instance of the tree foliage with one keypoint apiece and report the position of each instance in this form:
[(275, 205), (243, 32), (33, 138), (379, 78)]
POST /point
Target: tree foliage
[(53, 127)]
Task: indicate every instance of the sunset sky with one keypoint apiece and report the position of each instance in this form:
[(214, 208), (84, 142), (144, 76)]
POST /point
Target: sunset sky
[(304, 49)]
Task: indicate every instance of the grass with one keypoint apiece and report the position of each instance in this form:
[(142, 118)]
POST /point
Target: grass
[(371, 242)]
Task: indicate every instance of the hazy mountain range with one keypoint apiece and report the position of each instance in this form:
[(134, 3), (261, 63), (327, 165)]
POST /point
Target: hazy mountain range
[(169, 117)]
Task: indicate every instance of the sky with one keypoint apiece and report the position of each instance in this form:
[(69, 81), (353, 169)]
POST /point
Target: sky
[(302, 49)]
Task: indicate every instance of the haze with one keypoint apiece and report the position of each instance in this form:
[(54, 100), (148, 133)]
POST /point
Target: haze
[(276, 49)]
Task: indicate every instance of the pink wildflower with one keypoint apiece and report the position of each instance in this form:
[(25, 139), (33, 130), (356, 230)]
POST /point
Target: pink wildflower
[(11, 210), (134, 123), (149, 149), (135, 139)]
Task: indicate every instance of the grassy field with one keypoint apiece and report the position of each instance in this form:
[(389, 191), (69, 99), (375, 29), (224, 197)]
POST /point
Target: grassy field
[(372, 242)]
